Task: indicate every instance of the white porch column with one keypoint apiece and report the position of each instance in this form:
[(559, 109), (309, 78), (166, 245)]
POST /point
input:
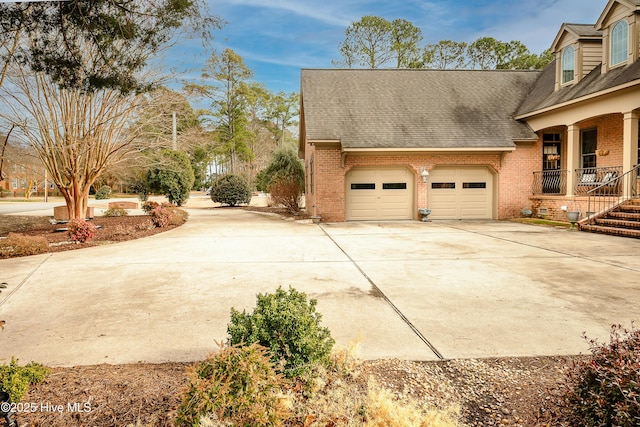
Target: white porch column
[(629, 146), (573, 156)]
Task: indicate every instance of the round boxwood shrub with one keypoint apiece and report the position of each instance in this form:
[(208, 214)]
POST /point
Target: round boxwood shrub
[(289, 326), (230, 190), (103, 193)]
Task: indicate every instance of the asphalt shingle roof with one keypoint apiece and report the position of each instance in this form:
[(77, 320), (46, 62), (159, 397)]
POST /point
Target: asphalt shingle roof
[(543, 96), (408, 109)]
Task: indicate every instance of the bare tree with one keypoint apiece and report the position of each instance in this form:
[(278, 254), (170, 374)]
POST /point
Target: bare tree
[(76, 134)]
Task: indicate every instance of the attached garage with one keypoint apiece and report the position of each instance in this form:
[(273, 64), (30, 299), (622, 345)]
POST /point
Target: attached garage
[(379, 194), (461, 193)]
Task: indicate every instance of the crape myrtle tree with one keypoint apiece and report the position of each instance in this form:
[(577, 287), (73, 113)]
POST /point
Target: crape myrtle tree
[(73, 78), (75, 134)]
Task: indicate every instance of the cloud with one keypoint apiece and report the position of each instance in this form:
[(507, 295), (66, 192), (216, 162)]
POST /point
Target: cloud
[(328, 13)]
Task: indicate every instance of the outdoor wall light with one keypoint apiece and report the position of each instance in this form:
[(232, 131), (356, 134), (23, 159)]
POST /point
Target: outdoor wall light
[(424, 174)]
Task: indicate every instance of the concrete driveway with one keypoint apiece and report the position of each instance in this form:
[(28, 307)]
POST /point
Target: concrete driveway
[(403, 289)]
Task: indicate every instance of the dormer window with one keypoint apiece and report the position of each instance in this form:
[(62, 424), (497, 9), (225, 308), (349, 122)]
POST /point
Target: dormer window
[(568, 64), (619, 43)]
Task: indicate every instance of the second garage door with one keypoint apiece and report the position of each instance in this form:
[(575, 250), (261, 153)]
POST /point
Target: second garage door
[(379, 194), (461, 193)]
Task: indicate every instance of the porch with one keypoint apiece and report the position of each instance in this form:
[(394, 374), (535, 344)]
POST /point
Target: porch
[(607, 199), (601, 179)]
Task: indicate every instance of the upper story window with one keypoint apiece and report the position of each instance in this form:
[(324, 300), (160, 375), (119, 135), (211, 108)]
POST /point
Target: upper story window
[(619, 42), (568, 64)]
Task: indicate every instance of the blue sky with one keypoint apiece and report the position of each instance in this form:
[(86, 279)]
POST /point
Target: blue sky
[(276, 38)]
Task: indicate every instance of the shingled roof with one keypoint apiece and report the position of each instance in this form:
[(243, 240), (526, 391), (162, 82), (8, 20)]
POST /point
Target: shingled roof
[(415, 109), (543, 96)]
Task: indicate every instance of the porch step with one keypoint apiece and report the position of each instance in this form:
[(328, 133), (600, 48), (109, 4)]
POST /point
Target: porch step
[(618, 223), (612, 231), (629, 216), (624, 221), (629, 207)]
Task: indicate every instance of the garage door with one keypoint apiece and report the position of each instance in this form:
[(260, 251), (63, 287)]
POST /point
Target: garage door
[(461, 193), (379, 194)]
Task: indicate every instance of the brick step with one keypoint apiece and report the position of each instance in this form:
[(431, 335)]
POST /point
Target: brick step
[(627, 207), (618, 223), (612, 231), (629, 216)]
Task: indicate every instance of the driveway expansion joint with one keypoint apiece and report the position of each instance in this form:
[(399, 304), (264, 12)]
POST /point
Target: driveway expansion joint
[(381, 294), (23, 281)]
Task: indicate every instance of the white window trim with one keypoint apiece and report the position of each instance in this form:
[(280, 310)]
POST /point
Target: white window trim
[(562, 66), (626, 47)]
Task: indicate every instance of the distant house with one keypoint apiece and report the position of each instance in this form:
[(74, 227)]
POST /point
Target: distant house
[(23, 173), (471, 144)]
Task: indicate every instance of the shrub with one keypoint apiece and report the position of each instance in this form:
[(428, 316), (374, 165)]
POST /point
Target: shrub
[(20, 245), (238, 384), (230, 190), (15, 380), (148, 206), (289, 327), (605, 389), (284, 163), (286, 191), (173, 176), (103, 193), (115, 211), (177, 216), (81, 230), (160, 216)]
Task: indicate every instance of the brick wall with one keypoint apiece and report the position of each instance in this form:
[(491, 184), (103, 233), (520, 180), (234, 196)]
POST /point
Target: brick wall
[(514, 171), (610, 137)]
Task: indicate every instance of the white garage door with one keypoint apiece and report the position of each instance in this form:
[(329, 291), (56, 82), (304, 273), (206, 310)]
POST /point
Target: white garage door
[(379, 194), (461, 193)]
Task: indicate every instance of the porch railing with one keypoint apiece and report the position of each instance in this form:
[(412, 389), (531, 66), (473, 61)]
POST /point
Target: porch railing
[(598, 181), (603, 198), (550, 182)]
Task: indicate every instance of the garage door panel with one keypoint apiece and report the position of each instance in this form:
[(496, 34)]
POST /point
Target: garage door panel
[(392, 198), (461, 193)]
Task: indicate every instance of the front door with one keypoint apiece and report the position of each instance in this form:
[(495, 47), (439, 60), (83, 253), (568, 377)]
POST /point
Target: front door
[(551, 178)]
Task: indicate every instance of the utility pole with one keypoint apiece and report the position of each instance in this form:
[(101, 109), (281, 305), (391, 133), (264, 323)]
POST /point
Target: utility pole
[(175, 132)]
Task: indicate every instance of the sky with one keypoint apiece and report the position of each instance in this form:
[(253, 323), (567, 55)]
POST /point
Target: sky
[(277, 38)]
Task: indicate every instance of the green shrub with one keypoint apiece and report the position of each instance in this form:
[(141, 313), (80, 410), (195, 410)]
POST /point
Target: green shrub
[(230, 190), (115, 211), (237, 385), (284, 163), (103, 193), (289, 327), (81, 230), (20, 245), (605, 389), (172, 176), (15, 379)]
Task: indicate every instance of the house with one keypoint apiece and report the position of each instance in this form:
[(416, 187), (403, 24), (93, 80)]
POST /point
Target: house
[(23, 174), (474, 144)]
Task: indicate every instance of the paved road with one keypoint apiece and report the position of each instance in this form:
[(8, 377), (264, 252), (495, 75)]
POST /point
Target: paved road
[(404, 289)]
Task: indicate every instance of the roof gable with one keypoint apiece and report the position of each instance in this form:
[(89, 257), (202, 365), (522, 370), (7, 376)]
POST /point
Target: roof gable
[(632, 5), (415, 109), (576, 32)]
